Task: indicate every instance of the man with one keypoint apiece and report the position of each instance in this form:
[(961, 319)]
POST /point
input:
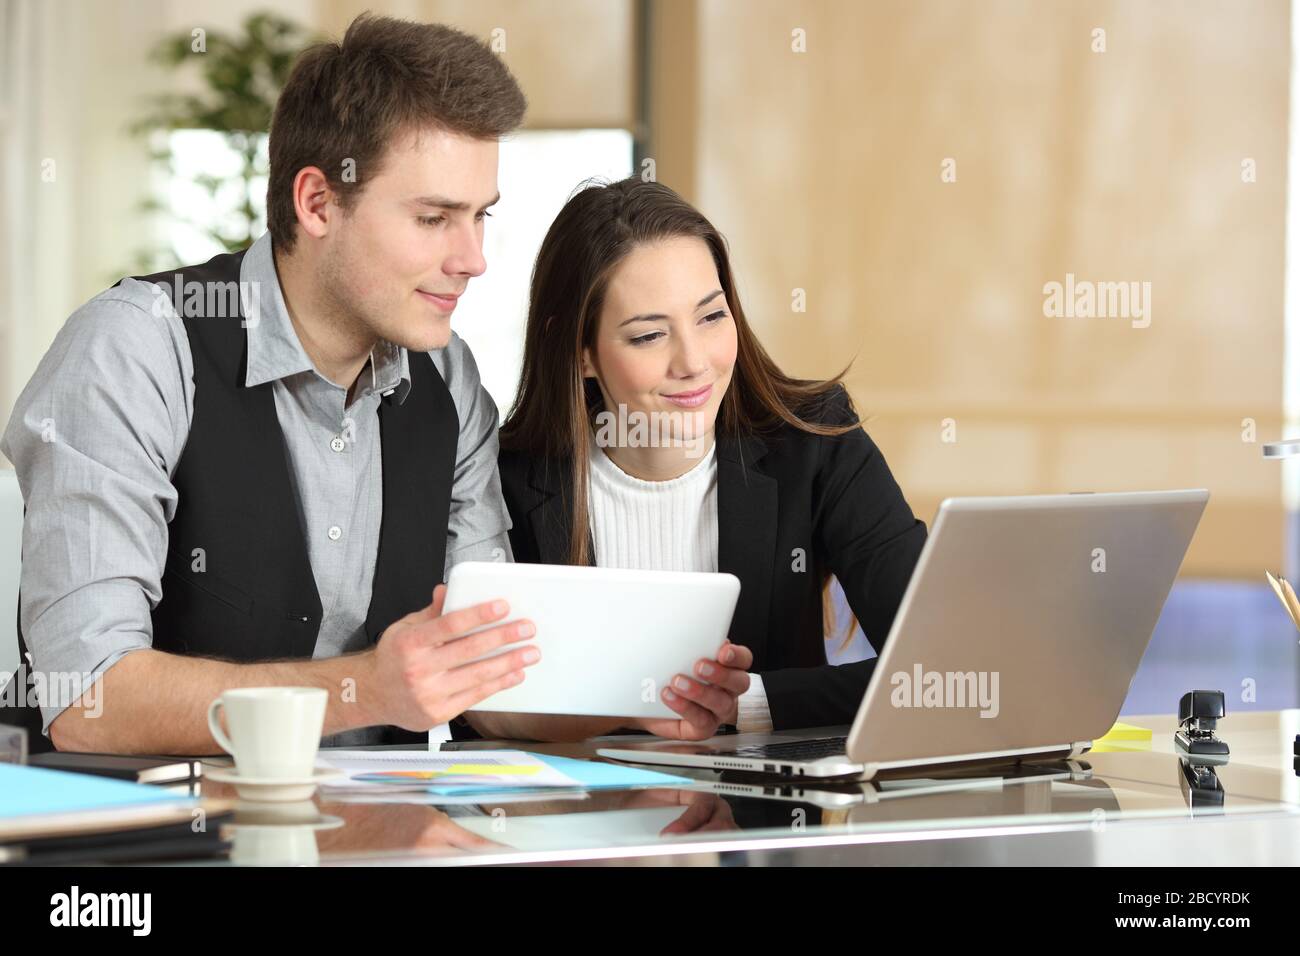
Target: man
[(256, 471)]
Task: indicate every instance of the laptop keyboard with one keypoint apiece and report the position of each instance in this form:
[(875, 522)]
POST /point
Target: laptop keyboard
[(797, 749)]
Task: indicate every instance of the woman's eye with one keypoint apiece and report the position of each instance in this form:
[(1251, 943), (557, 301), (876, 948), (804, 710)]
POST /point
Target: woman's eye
[(644, 339), (484, 215), (431, 220), (716, 316)]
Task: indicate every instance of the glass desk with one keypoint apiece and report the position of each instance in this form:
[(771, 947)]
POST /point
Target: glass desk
[(1142, 805)]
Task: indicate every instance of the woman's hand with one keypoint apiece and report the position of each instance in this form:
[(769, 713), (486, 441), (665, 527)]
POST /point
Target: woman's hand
[(707, 700)]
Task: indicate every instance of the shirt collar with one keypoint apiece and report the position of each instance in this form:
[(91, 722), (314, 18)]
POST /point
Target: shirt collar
[(274, 351)]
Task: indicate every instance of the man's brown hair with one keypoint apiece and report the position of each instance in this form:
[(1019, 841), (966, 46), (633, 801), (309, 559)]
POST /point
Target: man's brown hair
[(347, 101)]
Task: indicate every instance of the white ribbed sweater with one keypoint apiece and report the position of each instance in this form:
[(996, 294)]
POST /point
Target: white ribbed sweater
[(654, 525)]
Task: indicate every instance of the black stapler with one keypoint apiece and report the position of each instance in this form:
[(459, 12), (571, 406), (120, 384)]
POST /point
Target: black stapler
[(1199, 713), (1200, 786)]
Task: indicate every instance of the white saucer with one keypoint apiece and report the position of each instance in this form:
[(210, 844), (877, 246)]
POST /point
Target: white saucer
[(254, 815), (274, 789), (321, 822)]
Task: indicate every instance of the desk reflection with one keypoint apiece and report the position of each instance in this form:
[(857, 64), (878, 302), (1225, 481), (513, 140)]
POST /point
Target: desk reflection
[(715, 811), (264, 834)]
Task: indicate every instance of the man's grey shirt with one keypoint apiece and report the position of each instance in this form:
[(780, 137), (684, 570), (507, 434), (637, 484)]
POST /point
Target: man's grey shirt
[(97, 434)]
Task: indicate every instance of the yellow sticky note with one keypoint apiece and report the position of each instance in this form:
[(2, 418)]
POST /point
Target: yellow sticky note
[(1123, 737), (492, 769), (1127, 732)]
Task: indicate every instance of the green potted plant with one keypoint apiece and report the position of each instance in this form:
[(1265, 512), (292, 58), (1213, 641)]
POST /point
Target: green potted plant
[(242, 74)]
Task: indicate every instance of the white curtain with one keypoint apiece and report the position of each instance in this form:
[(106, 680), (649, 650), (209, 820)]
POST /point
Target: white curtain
[(73, 74)]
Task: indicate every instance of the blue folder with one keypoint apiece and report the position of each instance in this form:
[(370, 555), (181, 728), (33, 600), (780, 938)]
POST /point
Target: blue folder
[(26, 791)]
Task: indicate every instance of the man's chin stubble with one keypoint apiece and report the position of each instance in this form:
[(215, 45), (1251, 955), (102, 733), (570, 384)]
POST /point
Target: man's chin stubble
[(430, 340)]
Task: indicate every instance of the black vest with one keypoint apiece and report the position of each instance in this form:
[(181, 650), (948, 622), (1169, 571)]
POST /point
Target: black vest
[(237, 515)]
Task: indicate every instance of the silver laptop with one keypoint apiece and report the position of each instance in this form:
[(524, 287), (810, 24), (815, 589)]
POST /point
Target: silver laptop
[(1018, 636)]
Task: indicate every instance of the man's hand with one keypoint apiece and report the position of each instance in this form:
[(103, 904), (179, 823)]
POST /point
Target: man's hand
[(422, 675), (707, 702)]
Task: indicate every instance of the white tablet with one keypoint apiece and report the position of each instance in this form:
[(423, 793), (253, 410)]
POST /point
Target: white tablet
[(610, 639)]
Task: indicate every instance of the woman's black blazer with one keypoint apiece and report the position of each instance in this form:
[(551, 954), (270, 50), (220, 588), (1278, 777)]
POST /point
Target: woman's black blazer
[(791, 506)]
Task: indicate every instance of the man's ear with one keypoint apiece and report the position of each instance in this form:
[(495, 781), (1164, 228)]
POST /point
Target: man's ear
[(312, 196)]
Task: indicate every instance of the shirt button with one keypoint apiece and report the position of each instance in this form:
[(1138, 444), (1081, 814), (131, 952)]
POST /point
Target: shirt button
[(337, 443), (335, 532)]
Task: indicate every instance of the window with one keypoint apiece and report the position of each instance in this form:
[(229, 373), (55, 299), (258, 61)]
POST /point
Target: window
[(539, 170), (199, 158)]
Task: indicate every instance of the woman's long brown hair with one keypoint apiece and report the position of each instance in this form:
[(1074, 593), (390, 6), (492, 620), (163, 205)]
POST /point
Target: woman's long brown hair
[(553, 410)]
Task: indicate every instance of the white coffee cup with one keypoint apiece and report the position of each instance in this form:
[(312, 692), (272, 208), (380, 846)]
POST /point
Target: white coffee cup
[(274, 731)]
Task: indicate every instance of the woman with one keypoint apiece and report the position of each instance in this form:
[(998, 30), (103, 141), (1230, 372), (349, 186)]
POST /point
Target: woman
[(651, 430)]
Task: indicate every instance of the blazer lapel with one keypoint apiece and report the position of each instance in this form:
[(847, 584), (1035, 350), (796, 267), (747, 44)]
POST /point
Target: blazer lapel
[(747, 512)]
